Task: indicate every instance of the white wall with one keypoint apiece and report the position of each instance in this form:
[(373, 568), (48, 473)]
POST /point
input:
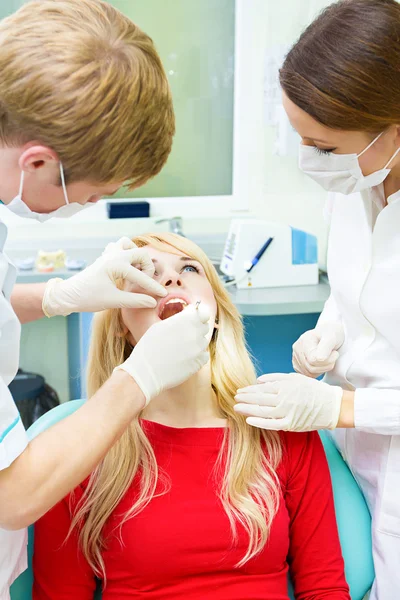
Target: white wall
[(286, 194)]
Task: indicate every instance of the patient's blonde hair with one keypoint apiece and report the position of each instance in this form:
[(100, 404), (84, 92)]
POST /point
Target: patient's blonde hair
[(250, 489), (79, 77)]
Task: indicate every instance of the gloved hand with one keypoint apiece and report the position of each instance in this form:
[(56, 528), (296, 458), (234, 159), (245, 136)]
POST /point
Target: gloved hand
[(316, 351), (94, 289), (290, 402), (170, 352)]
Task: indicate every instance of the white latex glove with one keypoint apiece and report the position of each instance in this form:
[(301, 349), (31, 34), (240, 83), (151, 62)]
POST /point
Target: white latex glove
[(94, 289), (316, 351), (290, 402), (170, 352)]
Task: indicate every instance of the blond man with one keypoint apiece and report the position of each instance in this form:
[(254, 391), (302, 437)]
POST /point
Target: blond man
[(85, 107)]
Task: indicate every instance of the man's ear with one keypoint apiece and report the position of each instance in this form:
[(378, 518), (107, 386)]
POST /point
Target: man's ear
[(42, 160)]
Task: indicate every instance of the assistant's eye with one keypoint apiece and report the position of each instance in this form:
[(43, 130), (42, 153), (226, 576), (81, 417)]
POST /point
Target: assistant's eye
[(323, 151), (192, 269)]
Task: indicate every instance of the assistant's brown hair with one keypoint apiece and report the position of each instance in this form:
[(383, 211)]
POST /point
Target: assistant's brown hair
[(344, 70), (80, 77)]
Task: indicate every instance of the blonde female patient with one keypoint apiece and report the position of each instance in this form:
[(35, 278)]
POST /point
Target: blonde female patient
[(192, 502)]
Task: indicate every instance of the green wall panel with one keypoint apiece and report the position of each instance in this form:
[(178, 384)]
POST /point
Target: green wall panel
[(195, 39)]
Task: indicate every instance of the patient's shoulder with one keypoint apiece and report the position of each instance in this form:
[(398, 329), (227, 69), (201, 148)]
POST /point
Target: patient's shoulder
[(298, 451), (296, 443)]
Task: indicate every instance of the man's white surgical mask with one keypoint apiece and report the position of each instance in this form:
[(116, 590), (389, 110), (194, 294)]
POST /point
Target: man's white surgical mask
[(18, 206), (340, 172)]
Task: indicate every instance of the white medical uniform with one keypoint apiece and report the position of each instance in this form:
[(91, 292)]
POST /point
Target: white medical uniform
[(364, 273), (13, 438)]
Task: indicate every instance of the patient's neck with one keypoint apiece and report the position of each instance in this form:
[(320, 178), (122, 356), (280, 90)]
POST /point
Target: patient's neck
[(191, 404)]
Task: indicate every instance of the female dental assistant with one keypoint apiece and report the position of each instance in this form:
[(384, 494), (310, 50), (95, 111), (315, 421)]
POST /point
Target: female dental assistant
[(341, 91), (101, 109)]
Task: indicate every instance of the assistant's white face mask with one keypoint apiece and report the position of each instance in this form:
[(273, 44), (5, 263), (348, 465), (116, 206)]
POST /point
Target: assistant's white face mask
[(18, 206), (340, 172)]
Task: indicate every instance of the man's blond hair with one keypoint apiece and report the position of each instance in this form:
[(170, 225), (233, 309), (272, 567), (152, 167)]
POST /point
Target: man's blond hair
[(81, 78)]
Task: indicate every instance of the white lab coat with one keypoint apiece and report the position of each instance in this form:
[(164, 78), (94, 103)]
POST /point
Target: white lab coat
[(13, 438), (364, 273)]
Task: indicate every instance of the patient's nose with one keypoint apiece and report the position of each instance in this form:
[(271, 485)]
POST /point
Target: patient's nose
[(170, 279)]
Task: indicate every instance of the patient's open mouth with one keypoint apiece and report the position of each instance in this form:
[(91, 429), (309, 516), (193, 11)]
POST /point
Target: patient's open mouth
[(172, 307)]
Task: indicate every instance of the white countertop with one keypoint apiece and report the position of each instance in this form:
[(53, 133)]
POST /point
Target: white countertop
[(281, 301)]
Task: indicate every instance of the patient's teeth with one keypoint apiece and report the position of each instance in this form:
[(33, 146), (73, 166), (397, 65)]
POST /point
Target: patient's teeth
[(175, 300), (172, 307)]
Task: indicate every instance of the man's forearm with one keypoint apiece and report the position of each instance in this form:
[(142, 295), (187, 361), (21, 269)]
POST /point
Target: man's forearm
[(26, 300), (63, 456)]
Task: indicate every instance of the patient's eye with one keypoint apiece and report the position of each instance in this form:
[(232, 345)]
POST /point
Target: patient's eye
[(191, 269)]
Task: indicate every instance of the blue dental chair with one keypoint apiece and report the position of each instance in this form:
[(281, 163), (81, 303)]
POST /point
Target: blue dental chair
[(352, 514)]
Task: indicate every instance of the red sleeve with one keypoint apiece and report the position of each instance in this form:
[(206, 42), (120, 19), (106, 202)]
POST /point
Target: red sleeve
[(315, 556), (60, 570)]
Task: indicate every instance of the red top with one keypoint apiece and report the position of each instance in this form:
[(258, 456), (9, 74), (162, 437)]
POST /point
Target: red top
[(180, 546)]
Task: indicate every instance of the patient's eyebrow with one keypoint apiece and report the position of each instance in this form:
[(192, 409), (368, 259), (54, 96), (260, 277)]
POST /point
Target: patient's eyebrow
[(187, 258), (182, 258)]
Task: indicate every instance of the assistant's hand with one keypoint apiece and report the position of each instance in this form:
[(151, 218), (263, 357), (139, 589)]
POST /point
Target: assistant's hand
[(316, 351), (170, 352), (290, 402), (95, 288)]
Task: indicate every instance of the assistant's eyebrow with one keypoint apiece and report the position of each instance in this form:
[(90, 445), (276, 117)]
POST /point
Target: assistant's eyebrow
[(317, 140)]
